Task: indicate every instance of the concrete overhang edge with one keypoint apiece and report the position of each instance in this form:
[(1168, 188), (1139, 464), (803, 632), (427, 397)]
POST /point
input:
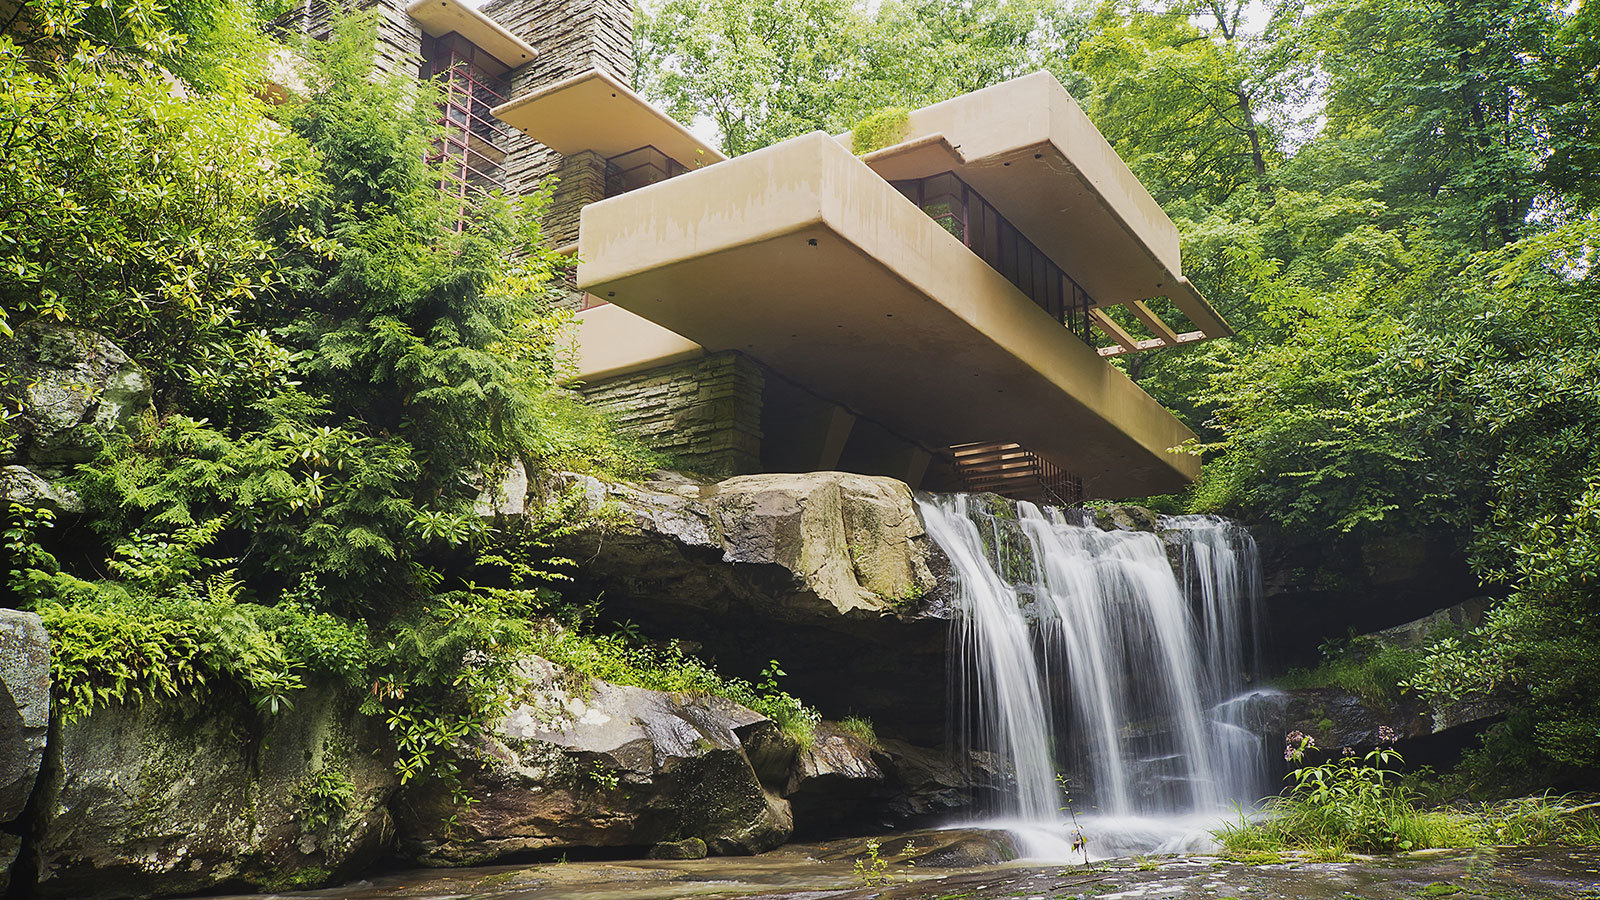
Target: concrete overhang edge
[(473, 25)]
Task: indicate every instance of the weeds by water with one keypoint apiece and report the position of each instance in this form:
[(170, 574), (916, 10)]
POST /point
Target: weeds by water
[(1361, 805)]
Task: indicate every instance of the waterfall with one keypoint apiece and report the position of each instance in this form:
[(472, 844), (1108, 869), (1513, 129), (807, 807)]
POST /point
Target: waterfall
[(1118, 660)]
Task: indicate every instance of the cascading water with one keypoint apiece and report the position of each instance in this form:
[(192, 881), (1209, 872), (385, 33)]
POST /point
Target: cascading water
[(1116, 658)]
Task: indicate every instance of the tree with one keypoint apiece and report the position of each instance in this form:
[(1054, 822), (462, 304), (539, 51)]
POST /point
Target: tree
[(1442, 101), (766, 70)]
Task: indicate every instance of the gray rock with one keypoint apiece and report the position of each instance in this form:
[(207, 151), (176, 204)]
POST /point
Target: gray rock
[(1463, 616), (1125, 517), (169, 798), (10, 844), (1336, 718), (20, 485), (80, 388), (850, 543), (24, 707), (830, 573), (688, 848), (577, 762), (832, 779)]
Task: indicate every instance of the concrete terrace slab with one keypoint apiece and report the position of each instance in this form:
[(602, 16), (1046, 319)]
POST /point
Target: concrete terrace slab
[(594, 111), (1028, 148), (802, 257), (441, 17)]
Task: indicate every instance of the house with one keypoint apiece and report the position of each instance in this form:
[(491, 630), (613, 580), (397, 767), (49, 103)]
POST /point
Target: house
[(942, 309)]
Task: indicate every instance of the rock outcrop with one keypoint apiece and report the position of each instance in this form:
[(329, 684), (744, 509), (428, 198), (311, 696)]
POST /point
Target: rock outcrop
[(577, 762), (79, 388), (1126, 517), (169, 798), (834, 780), (829, 573), (24, 724), (1337, 718)]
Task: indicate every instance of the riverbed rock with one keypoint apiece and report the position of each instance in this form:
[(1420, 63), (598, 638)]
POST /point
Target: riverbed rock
[(582, 763), (928, 849), (688, 848), (168, 798), (830, 573), (80, 387), (1126, 517)]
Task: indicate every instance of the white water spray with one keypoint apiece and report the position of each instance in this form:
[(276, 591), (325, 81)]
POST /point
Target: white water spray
[(1118, 657)]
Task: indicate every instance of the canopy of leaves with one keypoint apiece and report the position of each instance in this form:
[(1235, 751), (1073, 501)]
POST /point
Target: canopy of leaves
[(344, 356)]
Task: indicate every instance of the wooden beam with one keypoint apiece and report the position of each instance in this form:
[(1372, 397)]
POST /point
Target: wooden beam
[(1113, 330), (1153, 322)]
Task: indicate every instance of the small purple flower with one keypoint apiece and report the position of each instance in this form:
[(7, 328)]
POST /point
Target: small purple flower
[(1348, 751), (1295, 744), (1386, 735)]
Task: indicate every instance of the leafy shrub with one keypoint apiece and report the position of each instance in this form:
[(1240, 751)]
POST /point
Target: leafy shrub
[(110, 646), (1378, 674), (884, 128), (614, 658), (1349, 804), (323, 799)]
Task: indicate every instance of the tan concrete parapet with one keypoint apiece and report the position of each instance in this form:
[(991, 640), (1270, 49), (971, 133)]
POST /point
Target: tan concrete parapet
[(612, 341), (1028, 148), (440, 17), (800, 256), (594, 111)]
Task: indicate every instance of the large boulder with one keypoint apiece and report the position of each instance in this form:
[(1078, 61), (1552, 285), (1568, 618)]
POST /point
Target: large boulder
[(830, 573), (1336, 718), (79, 387), (24, 724), (833, 780), (167, 798), (22, 486), (581, 763)]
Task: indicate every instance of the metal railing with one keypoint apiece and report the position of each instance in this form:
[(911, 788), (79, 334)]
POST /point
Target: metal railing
[(974, 221), (473, 146)]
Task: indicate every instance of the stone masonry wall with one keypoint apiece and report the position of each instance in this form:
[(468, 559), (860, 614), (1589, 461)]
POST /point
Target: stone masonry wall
[(399, 50), (571, 36), (706, 413), (582, 180)]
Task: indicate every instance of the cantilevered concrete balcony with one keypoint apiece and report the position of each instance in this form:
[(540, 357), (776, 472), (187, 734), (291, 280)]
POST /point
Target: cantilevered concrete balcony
[(1026, 147), (804, 258)]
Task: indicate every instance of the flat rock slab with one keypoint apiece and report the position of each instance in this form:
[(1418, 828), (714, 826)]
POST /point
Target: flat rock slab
[(796, 873)]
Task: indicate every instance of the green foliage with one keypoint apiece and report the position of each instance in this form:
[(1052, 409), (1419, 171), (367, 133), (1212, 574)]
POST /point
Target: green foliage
[(1349, 804), (860, 727), (615, 658), (113, 646), (871, 869), (1195, 104), (1376, 673), (323, 799), (881, 129), (345, 359), (1542, 820), (134, 207), (766, 70)]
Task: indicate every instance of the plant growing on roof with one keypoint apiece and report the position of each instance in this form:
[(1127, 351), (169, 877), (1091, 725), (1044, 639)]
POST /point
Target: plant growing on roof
[(881, 129)]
